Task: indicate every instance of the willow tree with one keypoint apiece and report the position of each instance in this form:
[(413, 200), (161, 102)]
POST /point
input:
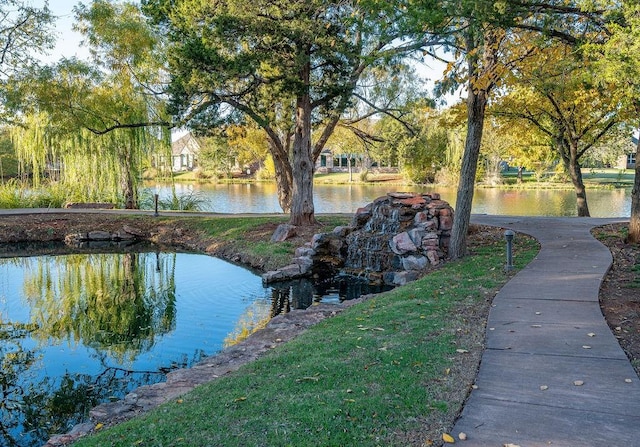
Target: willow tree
[(290, 67), (102, 118)]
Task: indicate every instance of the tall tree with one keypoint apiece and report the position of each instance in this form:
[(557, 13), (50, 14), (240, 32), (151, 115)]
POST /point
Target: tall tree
[(618, 66), (291, 67), (555, 92), (479, 31)]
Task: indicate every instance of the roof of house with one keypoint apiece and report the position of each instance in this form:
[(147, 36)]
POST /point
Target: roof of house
[(186, 143)]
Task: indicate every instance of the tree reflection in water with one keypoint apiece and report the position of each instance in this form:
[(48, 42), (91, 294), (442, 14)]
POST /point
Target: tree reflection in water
[(116, 304), (77, 330)]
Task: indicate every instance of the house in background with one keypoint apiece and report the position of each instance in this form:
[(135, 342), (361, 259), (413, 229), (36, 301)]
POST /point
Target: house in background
[(628, 160), (184, 153), (330, 161)]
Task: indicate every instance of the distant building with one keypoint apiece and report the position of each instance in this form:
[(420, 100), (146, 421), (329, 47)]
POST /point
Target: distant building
[(330, 161), (184, 153), (628, 160)]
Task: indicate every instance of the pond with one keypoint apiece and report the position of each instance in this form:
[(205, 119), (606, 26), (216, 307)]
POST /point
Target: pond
[(77, 330), (262, 198)]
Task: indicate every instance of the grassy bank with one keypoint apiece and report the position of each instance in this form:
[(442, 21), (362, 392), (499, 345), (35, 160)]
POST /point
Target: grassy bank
[(392, 370)]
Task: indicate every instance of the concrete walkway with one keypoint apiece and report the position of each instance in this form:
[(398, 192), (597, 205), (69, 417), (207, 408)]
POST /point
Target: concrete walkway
[(553, 374)]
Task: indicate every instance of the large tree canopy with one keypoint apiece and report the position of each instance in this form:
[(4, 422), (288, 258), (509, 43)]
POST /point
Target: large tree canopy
[(291, 67), (618, 65), (480, 33), (553, 89)]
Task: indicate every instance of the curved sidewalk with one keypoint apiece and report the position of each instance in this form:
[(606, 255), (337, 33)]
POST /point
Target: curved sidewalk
[(552, 373)]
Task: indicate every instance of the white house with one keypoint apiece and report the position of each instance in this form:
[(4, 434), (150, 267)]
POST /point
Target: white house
[(184, 153)]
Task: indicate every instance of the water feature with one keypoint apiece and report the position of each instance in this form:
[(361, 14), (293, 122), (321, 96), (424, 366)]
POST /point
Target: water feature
[(262, 198), (76, 330)]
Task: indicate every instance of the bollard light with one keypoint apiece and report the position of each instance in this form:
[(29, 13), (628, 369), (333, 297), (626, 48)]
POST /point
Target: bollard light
[(509, 235)]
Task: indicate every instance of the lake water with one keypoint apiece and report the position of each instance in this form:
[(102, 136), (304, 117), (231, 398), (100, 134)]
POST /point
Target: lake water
[(262, 198), (76, 330)]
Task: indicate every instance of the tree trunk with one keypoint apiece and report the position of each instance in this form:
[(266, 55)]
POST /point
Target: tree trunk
[(284, 181), (634, 222), (302, 211), (572, 164), (482, 75), (476, 105), (520, 169), (575, 171), (128, 182)]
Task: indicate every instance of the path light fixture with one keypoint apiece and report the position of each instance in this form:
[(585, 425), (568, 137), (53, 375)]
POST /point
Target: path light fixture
[(155, 199), (509, 235)]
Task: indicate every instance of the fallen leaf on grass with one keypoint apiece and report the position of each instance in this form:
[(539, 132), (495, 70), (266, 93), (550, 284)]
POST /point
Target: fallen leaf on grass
[(240, 399), (98, 426)]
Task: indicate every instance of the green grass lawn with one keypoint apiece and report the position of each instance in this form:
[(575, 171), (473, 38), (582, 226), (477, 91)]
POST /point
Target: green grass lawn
[(609, 176), (393, 370)]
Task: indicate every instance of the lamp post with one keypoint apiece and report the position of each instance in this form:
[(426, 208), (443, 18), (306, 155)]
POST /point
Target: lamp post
[(509, 235)]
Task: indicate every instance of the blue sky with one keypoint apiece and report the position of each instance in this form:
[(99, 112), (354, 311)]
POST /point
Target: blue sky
[(68, 41)]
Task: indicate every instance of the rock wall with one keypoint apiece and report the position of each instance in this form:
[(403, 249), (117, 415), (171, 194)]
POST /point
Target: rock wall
[(393, 240)]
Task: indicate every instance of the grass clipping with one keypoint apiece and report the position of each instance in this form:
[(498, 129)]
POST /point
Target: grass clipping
[(392, 371)]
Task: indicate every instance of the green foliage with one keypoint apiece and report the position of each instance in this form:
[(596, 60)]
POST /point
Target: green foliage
[(16, 194), (418, 144), (25, 30), (13, 195), (97, 124), (191, 201), (8, 160), (215, 156)]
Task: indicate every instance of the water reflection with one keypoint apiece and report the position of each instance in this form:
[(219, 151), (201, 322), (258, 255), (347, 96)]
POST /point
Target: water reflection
[(261, 198), (77, 330), (116, 303)]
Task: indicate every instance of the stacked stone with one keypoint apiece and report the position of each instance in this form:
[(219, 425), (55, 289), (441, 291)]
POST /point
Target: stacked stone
[(417, 227), (392, 240)]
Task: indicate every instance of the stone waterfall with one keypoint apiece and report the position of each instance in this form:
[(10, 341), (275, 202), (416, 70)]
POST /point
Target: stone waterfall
[(393, 240)]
